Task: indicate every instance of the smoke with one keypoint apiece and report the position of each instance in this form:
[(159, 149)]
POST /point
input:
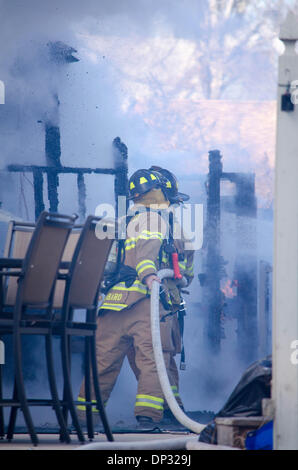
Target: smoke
[(145, 73)]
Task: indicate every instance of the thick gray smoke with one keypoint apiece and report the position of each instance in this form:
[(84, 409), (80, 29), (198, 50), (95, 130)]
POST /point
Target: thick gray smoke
[(173, 79)]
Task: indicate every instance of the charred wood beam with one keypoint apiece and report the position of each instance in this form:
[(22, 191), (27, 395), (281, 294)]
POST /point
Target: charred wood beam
[(120, 171), (213, 251), (52, 145), (38, 192), (53, 183), (245, 200), (121, 168), (81, 196), (53, 172), (62, 169)]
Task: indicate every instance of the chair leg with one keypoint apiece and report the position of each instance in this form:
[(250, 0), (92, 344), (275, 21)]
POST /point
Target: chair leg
[(88, 390), (100, 406), (13, 415), (53, 387), (2, 428), (65, 408), (68, 387), (21, 387)]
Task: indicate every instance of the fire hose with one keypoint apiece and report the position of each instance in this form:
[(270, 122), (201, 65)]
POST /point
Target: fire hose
[(159, 359), (196, 427)]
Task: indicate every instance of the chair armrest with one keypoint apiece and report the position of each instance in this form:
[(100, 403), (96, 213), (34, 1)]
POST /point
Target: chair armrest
[(11, 273), (11, 263), (18, 262)]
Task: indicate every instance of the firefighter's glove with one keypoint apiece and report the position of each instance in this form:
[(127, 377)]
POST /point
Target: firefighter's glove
[(149, 280)]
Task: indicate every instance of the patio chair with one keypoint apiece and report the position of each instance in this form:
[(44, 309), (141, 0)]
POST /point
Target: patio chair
[(17, 241), (31, 312), (82, 292)]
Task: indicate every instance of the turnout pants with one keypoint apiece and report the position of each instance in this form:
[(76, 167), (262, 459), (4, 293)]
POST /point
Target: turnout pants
[(117, 332), (172, 369)]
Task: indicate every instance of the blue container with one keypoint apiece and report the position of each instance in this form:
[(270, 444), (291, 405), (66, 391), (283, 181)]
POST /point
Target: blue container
[(261, 439)]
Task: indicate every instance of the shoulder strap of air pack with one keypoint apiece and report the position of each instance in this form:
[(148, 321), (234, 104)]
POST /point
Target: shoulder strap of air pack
[(123, 272)]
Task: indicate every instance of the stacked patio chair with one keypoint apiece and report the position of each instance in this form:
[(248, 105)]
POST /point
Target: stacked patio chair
[(31, 313), (74, 285)]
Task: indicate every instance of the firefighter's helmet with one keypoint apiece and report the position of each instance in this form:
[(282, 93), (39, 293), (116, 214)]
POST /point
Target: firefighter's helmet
[(143, 181), (170, 186)]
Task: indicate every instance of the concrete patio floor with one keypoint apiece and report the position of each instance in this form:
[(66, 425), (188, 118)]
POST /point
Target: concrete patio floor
[(51, 441)]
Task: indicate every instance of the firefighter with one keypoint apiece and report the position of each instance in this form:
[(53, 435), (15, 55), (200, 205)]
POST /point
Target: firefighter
[(124, 316), (186, 269)]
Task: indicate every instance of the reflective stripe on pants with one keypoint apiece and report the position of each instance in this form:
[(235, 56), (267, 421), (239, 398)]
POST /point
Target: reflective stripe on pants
[(151, 402)]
